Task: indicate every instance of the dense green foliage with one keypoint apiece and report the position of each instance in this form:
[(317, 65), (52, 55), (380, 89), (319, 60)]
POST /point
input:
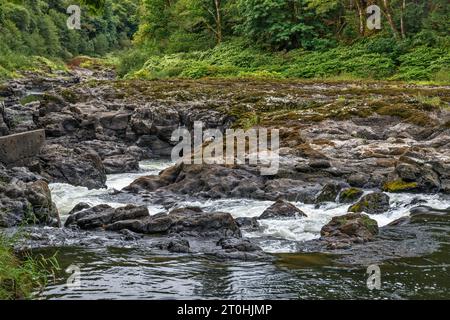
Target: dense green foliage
[(229, 38), (30, 28), (290, 38), (22, 278), (361, 60)]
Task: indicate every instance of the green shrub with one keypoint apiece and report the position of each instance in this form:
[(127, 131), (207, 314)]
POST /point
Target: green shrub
[(378, 58), (343, 60), (22, 277), (422, 63)]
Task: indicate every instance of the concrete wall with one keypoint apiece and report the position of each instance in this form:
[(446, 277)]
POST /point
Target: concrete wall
[(17, 147)]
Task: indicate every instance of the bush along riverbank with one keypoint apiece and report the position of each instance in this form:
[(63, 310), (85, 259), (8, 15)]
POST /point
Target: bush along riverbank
[(23, 276), (374, 59)]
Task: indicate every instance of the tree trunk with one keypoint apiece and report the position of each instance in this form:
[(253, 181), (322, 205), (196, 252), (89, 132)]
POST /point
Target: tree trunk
[(402, 22), (362, 17), (218, 21), (391, 22)]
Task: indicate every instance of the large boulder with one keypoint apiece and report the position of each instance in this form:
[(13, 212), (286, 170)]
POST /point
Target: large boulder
[(120, 164), (196, 222), (209, 181), (158, 147), (155, 119), (152, 183), (25, 199), (73, 166), (350, 228), (19, 119), (372, 203), (59, 124), (412, 176), (328, 193), (282, 210), (350, 195), (103, 215), (184, 221), (116, 121)]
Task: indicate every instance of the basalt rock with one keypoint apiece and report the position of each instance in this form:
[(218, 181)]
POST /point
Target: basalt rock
[(235, 244), (414, 178), (282, 210), (25, 201), (424, 215), (120, 164), (175, 244), (246, 223), (158, 147), (373, 203), (350, 195), (73, 166), (185, 221), (344, 230), (358, 180), (209, 181), (103, 215), (79, 207), (329, 193), (155, 119)]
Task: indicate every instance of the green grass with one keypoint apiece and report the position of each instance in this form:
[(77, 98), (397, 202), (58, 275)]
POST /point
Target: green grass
[(12, 64), (21, 275), (435, 102), (29, 99)]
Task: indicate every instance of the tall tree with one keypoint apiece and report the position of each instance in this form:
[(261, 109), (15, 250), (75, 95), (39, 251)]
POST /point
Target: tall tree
[(389, 17)]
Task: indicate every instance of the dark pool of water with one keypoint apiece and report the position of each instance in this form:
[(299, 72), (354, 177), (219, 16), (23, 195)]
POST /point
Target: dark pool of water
[(110, 273)]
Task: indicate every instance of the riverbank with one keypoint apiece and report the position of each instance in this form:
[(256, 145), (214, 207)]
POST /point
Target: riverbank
[(23, 275)]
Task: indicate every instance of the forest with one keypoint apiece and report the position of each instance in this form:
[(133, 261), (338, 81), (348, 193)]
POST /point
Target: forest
[(155, 39)]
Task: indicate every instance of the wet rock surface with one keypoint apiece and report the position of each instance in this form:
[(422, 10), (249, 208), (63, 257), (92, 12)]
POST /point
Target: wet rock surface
[(25, 198), (423, 214), (282, 210), (355, 239), (342, 231), (103, 215), (337, 142), (373, 203), (186, 221)]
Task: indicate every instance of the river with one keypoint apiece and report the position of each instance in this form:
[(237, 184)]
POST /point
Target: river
[(129, 273)]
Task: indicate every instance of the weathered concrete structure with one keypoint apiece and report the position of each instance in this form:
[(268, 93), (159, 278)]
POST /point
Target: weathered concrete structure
[(21, 146)]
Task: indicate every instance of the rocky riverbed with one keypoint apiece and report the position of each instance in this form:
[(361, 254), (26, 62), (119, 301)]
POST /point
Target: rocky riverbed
[(364, 175)]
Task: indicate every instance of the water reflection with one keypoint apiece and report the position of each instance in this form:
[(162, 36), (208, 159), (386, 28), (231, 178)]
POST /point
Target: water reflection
[(135, 274)]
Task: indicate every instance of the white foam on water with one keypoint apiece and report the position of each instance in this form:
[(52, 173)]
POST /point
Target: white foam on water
[(67, 196), (307, 228), (120, 181), (301, 229)]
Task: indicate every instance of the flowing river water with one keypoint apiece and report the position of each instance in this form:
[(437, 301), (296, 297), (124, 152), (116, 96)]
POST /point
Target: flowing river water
[(127, 273)]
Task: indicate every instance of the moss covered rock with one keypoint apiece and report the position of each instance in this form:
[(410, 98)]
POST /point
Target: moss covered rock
[(373, 203), (352, 227), (350, 195), (399, 186), (328, 193)]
